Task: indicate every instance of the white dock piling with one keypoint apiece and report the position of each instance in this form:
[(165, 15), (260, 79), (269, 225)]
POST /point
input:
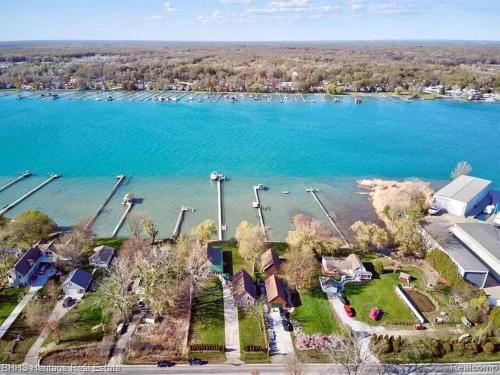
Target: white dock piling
[(328, 216), (20, 176), (29, 193), (94, 217)]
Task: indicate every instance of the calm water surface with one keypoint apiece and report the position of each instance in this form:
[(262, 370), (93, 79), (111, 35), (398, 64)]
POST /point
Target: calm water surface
[(169, 149)]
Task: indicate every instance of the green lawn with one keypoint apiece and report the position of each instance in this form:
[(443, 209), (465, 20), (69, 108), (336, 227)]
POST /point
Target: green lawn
[(380, 292), (315, 313), (9, 297), (76, 325), (251, 334), (20, 329), (207, 316), (113, 242)]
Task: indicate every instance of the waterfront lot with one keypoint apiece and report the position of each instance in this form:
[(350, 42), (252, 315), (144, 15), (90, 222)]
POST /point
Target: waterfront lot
[(9, 297), (315, 313), (251, 334)]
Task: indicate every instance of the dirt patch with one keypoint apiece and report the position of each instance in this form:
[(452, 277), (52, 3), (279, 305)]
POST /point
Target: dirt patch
[(95, 354), (395, 194), (423, 302)]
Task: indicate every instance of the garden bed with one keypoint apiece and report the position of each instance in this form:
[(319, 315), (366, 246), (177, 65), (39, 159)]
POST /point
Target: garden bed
[(423, 302)]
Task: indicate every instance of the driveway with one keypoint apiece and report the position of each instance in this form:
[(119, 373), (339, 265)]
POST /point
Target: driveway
[(282, 338), (121, 344), (32, 357), (231, 326), (34, 288)]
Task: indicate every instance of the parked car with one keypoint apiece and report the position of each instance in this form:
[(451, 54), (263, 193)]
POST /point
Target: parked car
[(348, 311), (434, 209), (165, 363), (287, 325), (420, 327), (196, 362), (68, 302), (121, 328), (374, 313)]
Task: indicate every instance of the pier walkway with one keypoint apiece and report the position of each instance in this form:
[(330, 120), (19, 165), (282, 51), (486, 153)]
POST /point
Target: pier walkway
[(328, 216), (218, 178), (122, 219), (180, 220), (28, 194), (20, 176), (258, 206), (94, 217)]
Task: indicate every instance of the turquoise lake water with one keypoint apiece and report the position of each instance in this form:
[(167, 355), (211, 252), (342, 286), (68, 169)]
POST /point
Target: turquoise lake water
[(169, 150)]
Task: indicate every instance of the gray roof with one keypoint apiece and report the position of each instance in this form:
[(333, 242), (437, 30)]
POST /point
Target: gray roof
[(487, 235), (79, 277), (463, 256), (464, 188), (102, 254)]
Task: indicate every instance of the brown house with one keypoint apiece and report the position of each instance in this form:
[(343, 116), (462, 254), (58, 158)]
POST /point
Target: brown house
[(244, 291), (275, 291), (270, 262)]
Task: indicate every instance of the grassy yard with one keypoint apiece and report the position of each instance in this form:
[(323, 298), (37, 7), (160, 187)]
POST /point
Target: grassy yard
[(207, 319), (9, 297), (113, 242), (20, 329), (315, 313), (251, 334), (380, 292), (76, 325)]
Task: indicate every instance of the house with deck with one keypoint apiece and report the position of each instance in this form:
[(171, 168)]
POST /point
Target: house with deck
[(29, 263), (244, 290), (350, 266)]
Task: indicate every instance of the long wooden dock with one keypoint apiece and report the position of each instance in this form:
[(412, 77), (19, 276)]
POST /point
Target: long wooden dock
[(122, 219), (180, 220), (20, 176), (328, 216), (258, 206), (218, 178), (28, 194), (94, 217)]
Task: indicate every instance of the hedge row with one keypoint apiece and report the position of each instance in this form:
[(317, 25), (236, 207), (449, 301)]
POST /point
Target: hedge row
[(446, 268)]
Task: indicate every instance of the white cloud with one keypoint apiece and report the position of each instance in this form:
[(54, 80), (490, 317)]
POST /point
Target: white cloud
[(293, 6), (242, 2), (156, 18), (169, 7)]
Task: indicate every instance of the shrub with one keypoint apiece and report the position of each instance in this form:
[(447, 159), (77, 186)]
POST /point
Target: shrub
[(379, 267), (489, 347)]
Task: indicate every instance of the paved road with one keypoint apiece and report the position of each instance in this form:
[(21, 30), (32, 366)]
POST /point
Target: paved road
[(117, 357), (32, 357), (271, 369), (231, 326), (34, 288)]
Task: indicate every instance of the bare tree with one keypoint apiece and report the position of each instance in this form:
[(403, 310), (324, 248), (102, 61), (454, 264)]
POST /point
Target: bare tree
[(462, 168), (293, 366), (54, 327), (300, 268), (150, 228), (36, 312), (78, 241), (256, 313), (351, 354), (134, 223)]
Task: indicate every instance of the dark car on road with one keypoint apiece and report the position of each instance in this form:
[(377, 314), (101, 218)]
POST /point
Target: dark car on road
[(68, 302), (165, 363), (196, 362), (287, 325)]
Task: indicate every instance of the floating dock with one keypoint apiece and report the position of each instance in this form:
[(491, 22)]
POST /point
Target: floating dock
[(28, 194), (258, 206), (20, 176), (218, 178), (329, 217), (94, 217), (128, 201)]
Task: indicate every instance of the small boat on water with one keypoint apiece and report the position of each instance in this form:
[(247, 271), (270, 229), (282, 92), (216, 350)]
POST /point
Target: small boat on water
[(128, 199), (110, 98), (286, 192)]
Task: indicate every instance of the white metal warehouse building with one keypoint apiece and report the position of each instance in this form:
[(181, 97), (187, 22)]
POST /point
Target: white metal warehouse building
[(463, 196)]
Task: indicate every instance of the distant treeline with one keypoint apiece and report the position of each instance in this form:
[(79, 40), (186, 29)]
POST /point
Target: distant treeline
[(334, 67)]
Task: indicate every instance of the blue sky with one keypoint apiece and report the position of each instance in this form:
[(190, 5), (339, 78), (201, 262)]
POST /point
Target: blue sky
[(249, 19)]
